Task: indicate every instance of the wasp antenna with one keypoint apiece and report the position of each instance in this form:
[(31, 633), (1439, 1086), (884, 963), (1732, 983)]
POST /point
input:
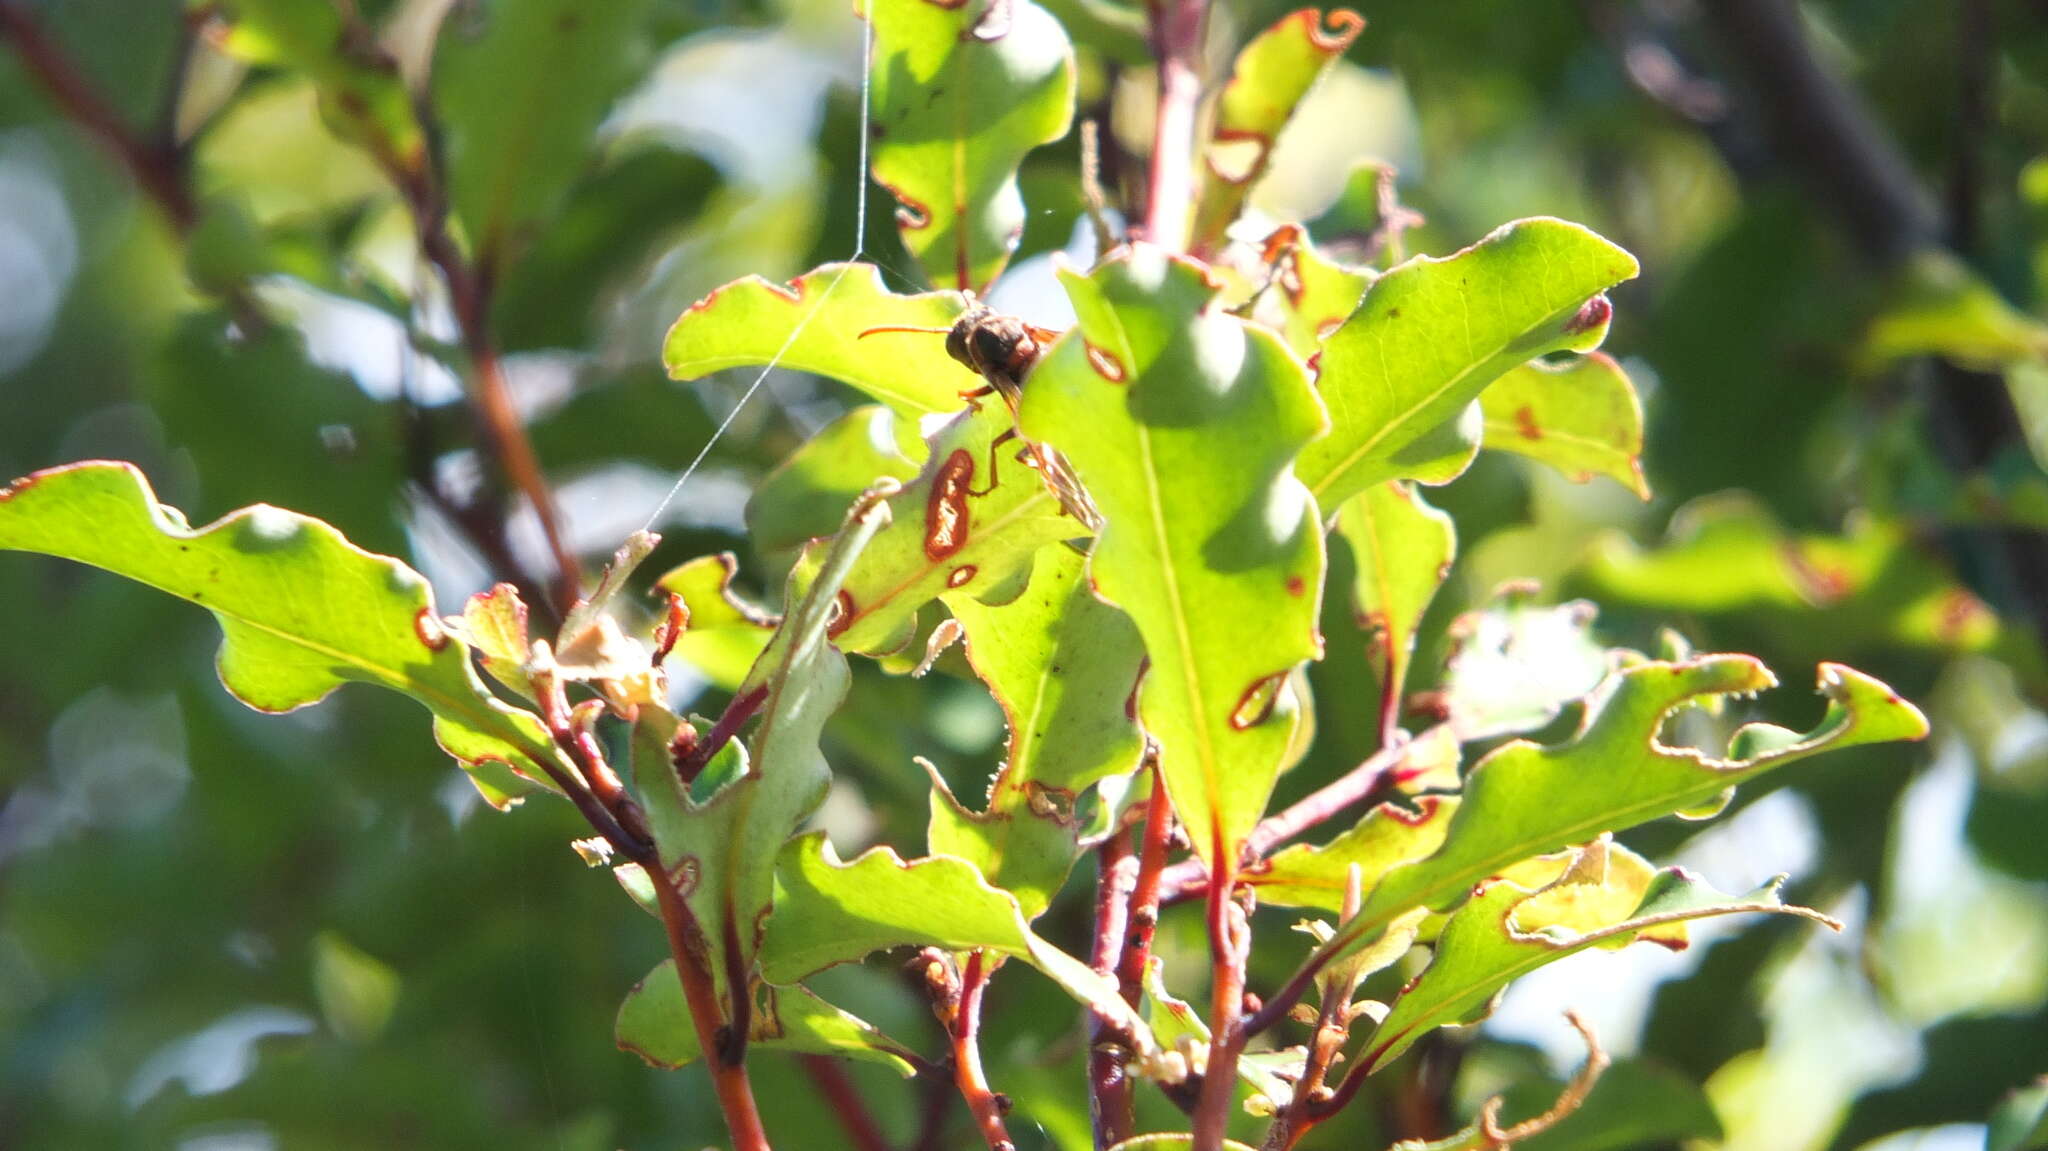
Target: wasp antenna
[(903, 328)]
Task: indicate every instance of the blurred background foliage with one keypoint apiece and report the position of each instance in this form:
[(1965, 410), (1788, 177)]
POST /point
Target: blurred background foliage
[(222, 930)]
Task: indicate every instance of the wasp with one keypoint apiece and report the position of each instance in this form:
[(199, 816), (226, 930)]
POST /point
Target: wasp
[(1002, 350)]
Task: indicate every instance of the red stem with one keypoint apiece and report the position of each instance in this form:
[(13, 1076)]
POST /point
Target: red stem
[(728, 1077), (1109, 1086), (1177, 44), (862, 1132), (1228, 937), (1143, 919), (985, 1105)]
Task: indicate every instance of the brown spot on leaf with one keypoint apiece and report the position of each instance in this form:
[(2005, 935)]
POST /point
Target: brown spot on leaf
[(1592, 314), (1958, 612), (1345, 25), (946, 514), (961, 575), (1424, 808), (1393, 313), (843, 608), (429, 629), (1256, 704), (1106, 365), (912, 214), (1296, 586), (1526, 425)]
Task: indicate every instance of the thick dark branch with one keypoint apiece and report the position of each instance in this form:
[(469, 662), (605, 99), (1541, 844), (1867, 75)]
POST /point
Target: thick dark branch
[(1817, 124)]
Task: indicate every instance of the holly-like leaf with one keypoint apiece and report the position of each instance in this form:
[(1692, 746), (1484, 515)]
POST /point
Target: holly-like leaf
[(1269, 79), (962, 92), (1062, 664), (1727, 554), (1506, 931), (971, 520), (1940, 307), (1431, 334), (1524, 799), (1582, 419), (808, 493), (654, 1023), (1182, 422), (1401, 550), (1515, 664), (827, 912), (718, 838), (814, 324), (302, 611), (726, 634), (1389, 836), (521, 99)]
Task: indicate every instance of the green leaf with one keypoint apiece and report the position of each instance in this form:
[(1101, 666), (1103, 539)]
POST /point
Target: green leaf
[(971, 520), (1269, 79), (1431, 334), (1311, 295), (610, 224), (814, 324), (1401, 550), (361, 94), (356, 991), (827, 912), (808, 493), (1516, 664), (1582, 419), (654, 1023), (1506, 931), (1181, 422), (521, 102), (726, 635), (302, 611), (2021, 1121), (1524, 799), (493, 624), (1727, 554), (1062, 665), (718, 840), (1389, 836), (1940, 307), (961, 93)]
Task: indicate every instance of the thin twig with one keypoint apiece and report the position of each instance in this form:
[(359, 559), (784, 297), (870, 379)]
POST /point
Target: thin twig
[(1362, 782), (956, 1000)]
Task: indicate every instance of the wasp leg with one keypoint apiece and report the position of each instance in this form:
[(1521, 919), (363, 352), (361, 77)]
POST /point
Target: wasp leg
[(973, 397), (994, 446)]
